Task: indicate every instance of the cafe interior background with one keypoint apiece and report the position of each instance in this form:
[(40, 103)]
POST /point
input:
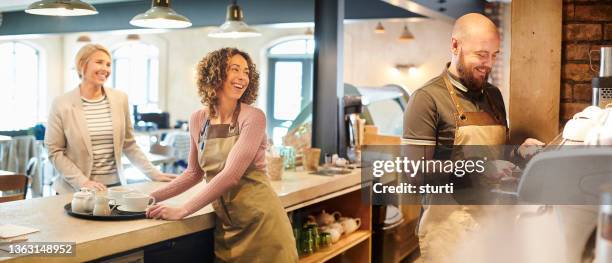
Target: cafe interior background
[(387, 50), (156, 67)]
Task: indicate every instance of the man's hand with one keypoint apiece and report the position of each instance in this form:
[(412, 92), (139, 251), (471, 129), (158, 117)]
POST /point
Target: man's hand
[(529, 148), (162, 211), (498, 169), (163, 177)]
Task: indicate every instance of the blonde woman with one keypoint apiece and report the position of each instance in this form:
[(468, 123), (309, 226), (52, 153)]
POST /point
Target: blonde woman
[(89, 129), (228, 143)]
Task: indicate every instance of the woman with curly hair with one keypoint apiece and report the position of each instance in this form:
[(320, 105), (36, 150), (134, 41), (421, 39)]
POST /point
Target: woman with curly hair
[(228, 144)]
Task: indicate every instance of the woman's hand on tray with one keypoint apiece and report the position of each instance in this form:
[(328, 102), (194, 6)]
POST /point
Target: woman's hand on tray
[(163, 211)]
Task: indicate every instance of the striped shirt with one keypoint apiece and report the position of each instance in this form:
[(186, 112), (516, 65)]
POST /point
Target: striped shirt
[(100, 127)]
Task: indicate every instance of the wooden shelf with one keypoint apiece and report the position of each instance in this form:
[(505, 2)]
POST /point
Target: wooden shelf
[(345, 243)]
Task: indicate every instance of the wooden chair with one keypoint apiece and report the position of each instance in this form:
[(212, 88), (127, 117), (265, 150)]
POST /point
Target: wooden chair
[(13, 183)]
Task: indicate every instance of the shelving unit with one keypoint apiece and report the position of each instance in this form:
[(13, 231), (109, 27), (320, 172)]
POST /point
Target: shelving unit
[(344, 244), (355, 247)]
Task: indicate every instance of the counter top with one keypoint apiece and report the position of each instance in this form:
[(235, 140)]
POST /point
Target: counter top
[(96, 239)]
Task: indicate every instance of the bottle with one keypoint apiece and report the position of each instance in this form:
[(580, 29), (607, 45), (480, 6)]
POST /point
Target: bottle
[(315, 236), (307, 242)]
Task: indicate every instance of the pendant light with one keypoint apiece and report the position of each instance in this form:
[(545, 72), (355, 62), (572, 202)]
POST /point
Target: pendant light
[(406, 34), (380, 29), (309, 32), (61, 8), (83, 39), (133, 37), (234, 26), (160, 15)]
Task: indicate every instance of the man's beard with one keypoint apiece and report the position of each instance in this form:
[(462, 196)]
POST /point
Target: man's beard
[(468, 79)]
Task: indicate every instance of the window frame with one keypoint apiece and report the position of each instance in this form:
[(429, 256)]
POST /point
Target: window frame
[(149, 74), (307, 60), (40, 113)]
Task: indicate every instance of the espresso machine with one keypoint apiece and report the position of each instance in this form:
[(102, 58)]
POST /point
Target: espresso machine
[(602, 85), (352, 110)]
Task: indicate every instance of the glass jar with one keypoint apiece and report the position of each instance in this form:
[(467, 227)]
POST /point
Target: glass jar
[(288, 154), (307, 242)]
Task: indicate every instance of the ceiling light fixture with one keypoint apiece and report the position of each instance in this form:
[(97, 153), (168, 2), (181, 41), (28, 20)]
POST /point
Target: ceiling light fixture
[(234, 26), (61, 8), (380, 29), (412, 69), (406, 34), (160, 15), (83, 39), (309, 32), (133, 37)]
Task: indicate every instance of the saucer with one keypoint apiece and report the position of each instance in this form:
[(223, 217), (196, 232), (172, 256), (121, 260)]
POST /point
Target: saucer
[(123, 208)]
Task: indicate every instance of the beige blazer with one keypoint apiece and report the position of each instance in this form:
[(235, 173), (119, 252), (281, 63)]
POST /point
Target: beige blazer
[(69, 145)]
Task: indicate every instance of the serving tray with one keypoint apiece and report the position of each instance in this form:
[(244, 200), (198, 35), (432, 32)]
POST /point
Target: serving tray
[(114, 216)]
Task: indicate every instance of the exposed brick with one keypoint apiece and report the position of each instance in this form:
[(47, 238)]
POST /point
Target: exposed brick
[(568, 109), (568, 12), (566, 92), (583, 92), (576, 52), (608, 31), (582, 32), (577, 72), (598, 12), (580, 52)]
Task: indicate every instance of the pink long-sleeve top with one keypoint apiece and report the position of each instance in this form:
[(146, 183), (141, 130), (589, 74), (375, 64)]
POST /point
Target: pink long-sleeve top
[(248, 151)]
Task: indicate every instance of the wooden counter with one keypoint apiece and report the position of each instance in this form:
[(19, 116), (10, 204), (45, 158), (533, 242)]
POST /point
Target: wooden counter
[(96, 239)]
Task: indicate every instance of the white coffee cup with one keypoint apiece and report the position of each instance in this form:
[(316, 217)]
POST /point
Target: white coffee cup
[(137, 202), (116, 193)]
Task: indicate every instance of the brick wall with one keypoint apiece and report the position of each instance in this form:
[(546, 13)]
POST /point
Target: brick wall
[(587, 25)]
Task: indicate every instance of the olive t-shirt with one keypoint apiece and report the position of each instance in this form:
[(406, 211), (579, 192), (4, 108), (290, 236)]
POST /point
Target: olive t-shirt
[(429, 116)]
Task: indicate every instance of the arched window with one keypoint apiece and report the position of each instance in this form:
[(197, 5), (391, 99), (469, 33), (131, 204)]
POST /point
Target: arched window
[(136, 71), (290, 84), (20, 99)]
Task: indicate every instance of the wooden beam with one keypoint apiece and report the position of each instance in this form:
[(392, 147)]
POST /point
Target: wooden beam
[(535, 69)]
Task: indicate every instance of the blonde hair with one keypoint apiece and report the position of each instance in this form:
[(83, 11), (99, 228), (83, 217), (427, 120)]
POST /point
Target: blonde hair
[(82, 57)]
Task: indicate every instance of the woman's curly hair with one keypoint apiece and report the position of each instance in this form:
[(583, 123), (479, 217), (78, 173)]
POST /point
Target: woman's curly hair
[(212, 71)]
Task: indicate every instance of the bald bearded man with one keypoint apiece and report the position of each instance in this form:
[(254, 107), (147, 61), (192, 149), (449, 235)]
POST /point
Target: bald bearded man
[(459, 107)]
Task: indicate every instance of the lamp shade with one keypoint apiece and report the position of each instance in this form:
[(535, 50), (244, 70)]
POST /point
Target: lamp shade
[(160, 15), (234, 26), (61, 8), (84, 39), (406, 35), (379, 28)]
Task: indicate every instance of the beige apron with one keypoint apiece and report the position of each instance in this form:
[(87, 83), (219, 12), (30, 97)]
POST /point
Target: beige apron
[(252, 225), (442, 226)]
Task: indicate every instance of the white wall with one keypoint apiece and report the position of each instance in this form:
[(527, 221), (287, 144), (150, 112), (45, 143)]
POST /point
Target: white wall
[(188, 47), (370, 58)]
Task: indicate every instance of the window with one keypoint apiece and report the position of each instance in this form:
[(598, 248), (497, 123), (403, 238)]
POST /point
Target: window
[(136, 71), (290, 84), (21, 104)]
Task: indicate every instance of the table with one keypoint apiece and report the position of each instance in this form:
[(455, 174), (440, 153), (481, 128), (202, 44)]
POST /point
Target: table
[(2, 172), (155, 159)]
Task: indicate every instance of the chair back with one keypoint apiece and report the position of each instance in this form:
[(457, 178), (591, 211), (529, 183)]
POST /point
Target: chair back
[(15, 185)]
